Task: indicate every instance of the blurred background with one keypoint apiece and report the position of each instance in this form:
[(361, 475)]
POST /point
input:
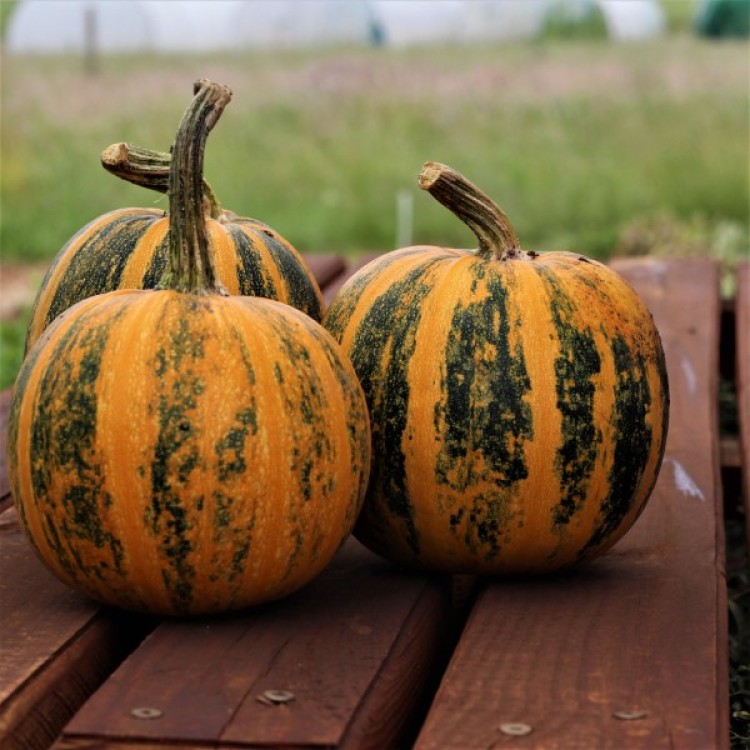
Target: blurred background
[(600, 126)]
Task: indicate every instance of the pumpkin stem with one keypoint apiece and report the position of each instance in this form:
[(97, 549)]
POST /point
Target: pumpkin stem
[(191, 267), (479, 212), (149, 169)]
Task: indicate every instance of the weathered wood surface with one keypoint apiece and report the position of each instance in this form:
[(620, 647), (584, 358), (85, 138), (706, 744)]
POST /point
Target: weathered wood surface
[(630, 651), (355, 649), (56, 645), (742, 329)]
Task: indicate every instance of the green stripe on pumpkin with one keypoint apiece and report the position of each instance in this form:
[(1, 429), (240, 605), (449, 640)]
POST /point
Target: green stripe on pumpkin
[(633, 439), (176, 453), (71, 245), (390, 325), (99, 262), (252, 278), (63, 439), (340, 313), (306, 391), (300, 290), (484, 412), (230, 450), (355, 408), (313, 447), (575, 366), (18, 396), (157, 266)]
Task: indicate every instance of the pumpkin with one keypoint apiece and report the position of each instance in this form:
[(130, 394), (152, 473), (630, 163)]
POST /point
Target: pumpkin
[(518, 400), (182, 450), (127, 249)]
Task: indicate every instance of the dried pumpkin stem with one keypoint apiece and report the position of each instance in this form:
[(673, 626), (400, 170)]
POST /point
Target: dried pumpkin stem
[(191, 266), (149, 169), (479, 212)]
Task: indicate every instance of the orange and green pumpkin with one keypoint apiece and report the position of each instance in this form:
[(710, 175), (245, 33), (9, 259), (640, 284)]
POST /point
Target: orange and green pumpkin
[(184, 451), (518, 400), (127, 249)]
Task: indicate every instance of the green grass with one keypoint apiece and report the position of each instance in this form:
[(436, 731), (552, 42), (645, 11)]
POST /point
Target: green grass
[(680, 14), (12, 336), (574, 140), (6, 9), (578, 140)]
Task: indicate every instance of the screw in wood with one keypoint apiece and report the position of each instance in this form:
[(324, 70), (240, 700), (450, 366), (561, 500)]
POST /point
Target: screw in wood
[(515, 729), (632, 715), (145, 712), (275, 697)]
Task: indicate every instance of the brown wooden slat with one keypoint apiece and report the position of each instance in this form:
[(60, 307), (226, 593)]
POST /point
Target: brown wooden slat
[(333, 286), (325, 268), (643, 629), (356, 648), (57, 646), (742, 322)]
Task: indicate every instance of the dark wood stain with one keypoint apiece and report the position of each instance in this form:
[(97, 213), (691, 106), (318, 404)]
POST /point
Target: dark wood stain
[(642, 629)]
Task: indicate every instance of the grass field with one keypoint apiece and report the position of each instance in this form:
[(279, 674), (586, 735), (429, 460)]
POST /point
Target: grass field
[(574, 140), (587, 145)]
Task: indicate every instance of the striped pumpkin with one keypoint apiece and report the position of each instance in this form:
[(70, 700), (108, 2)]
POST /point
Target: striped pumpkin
[(184, 452), (127, 249), (518, 401), (177, 453)]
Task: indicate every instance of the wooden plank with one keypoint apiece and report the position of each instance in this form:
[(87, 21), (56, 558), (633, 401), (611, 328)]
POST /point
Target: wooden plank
[(325, 268), (742, 323), (57, 646), (631, 650), (356, 649)]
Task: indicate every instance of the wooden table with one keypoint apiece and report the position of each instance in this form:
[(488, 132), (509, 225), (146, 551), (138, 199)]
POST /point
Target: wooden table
[(628, 652)]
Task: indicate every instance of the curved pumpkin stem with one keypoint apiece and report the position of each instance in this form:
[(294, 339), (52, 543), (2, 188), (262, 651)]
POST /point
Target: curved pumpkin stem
[(149, 169), (479, 212), (191, 266)]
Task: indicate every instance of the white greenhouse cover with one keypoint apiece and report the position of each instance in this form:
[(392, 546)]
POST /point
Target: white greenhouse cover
[(406, 22), (202, 25), (59, 26), (299, 23), (631, 20), (487, 20), (120, 25)]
